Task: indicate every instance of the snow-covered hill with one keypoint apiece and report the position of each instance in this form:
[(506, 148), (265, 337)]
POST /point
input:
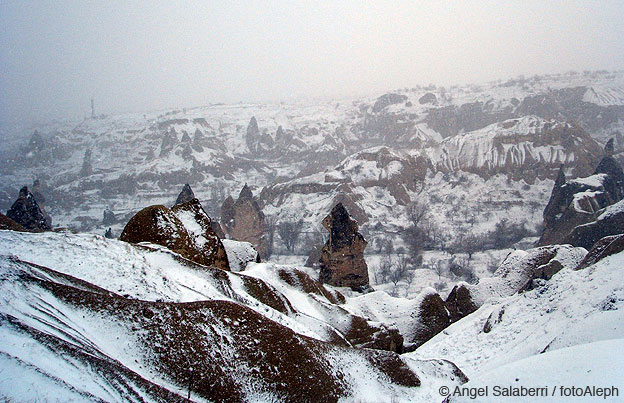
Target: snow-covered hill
[(513, 337), (87, 318)]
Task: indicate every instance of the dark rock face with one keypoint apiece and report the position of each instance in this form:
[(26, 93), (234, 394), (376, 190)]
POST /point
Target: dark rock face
[(185, 195), (364, 334), (609, 221), (216, 227), (428, 98), (26, 212), (227, 214), (432, 317), (7, 223), (342, 258), (257, 141), (567, 104), (243, 220), (169, 141), (459, 303), (162, 226), (609, 166), (557, 202), (87, 168), (609, 148), (108, 217), (387, 100), (575, 203), (450, 120), (38, 190), (607, 246)]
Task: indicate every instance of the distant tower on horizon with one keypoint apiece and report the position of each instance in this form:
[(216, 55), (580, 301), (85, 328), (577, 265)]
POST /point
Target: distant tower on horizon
[(92, 109)]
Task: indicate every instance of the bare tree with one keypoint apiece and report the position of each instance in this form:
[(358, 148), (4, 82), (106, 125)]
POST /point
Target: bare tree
[(289, 232), (270, 225), (472, 244), (417, 211), (401, 270), (385, 267), (439, 267)]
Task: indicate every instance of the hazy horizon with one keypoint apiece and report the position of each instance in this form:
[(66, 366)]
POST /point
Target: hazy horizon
[(56, 56)]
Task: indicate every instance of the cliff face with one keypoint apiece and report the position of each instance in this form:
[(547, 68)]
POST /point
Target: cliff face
[(526, 148), (574, 213)]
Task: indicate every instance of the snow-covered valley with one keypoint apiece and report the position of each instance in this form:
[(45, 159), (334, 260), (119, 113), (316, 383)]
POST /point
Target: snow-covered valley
[(451, 184)]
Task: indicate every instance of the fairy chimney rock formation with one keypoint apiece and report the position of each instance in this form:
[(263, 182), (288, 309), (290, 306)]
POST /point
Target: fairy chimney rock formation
[(184, 229), (342, 258), (609, 148), (26, 212), (243, 220), (186, 195)]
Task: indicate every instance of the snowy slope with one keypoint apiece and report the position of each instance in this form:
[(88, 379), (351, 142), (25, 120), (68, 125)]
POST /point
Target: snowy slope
[(86, 318), (556, 376), (572, 308)]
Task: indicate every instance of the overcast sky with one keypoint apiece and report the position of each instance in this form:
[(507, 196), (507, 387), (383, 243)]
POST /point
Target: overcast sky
[(136, 56)]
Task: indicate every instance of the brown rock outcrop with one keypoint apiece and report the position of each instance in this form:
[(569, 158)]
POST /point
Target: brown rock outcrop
[(185, 230), (607, 246), (38, 190), (199, 226), (342, 258), (244, 221), (7, 223), (358, 331), (314, 256), (216, 227), (365, 334), (26, 212), (227, 214)]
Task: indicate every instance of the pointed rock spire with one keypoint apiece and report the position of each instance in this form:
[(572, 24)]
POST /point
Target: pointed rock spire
[(185, 195), (245, 193), (342, 258), (243, 220), (609, 148), (561, 179), (26, 212)]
